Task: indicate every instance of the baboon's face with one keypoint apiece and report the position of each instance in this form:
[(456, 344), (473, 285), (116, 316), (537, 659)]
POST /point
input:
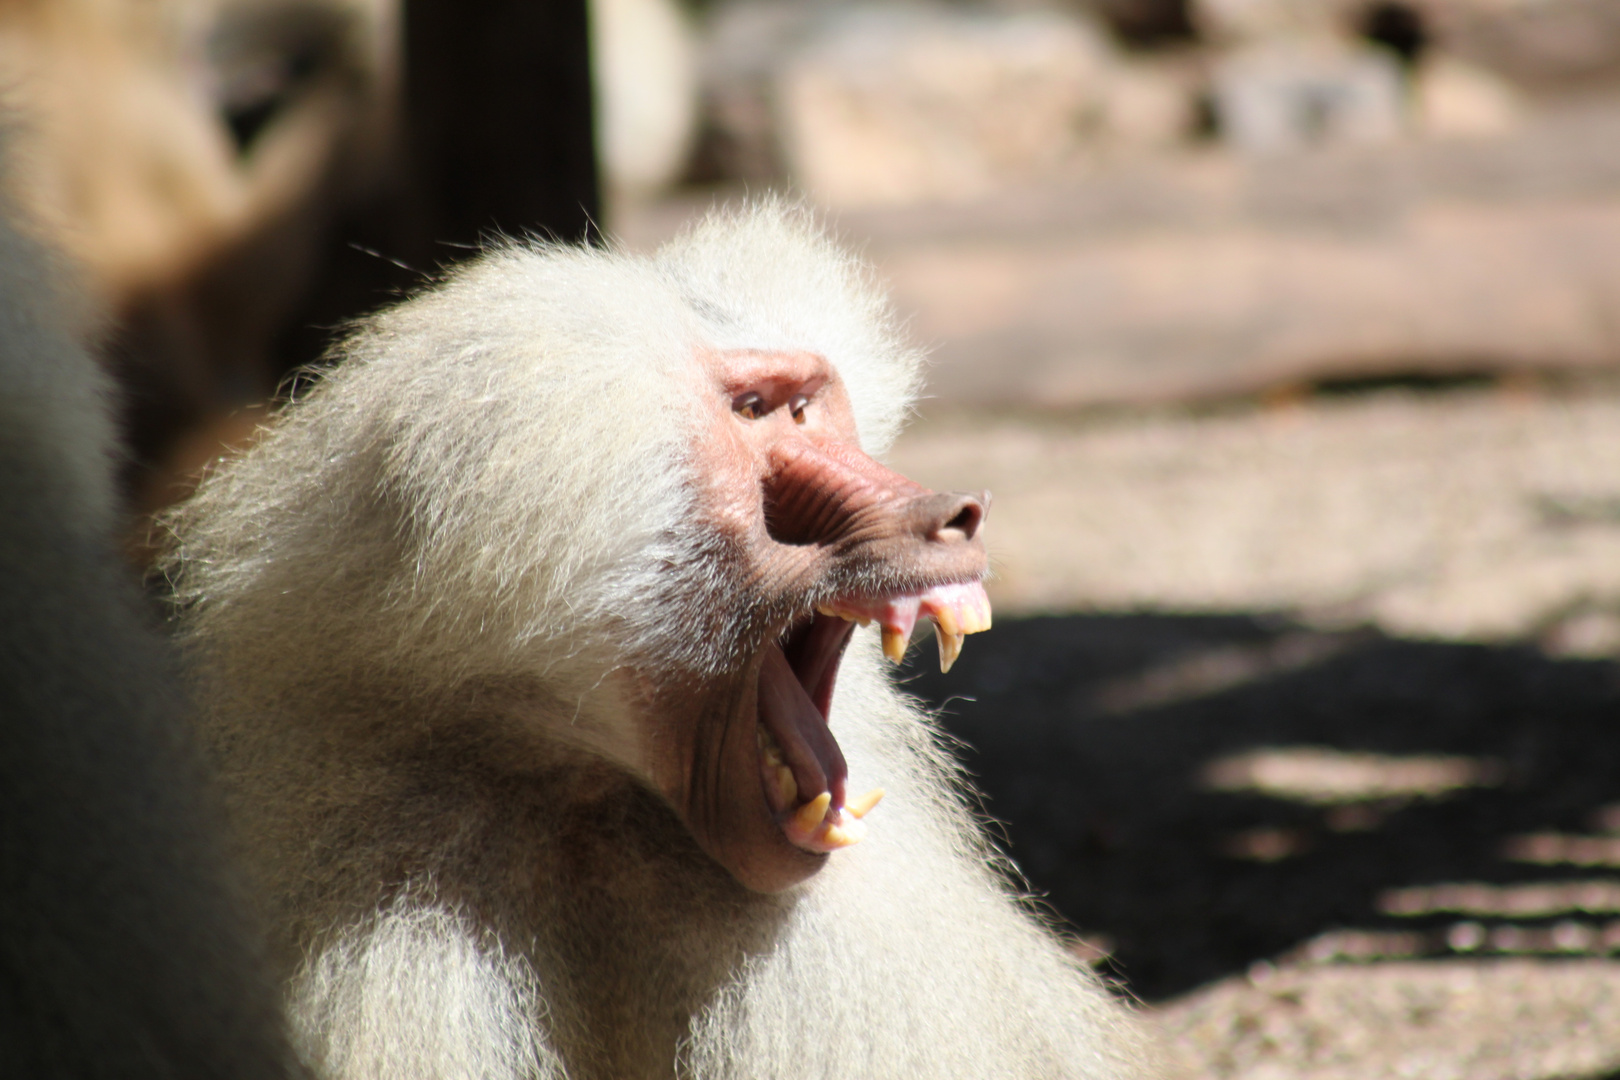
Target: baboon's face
[(821, 537)]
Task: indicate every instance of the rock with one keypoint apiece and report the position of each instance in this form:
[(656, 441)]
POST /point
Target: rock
[(644, 62), (1151, 104), (1209, 276), (1453, 98), (1546, 45), (1228, 311), (1245, 21), (906, 104), (886, 105), (1289, 93), (1144, 22), (744, 44)]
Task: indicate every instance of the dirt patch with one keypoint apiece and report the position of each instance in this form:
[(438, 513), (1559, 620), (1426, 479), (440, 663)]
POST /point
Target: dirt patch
[(1264, 752), (1489, 1020)]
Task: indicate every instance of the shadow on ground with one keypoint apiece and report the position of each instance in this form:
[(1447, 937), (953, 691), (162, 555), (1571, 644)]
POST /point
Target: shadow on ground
[(1148, 770)]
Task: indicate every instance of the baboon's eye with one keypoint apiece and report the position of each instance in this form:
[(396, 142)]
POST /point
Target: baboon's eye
[(796, 406), (749, 406)]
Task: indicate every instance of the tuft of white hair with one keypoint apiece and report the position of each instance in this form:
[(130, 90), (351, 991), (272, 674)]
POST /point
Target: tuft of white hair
[(555, 383), (416, 994)]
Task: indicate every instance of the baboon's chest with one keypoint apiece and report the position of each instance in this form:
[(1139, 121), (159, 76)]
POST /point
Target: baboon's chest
[(630, 927)]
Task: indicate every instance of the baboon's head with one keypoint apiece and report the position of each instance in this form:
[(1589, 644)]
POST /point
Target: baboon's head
[(640, 488), (808, 536)]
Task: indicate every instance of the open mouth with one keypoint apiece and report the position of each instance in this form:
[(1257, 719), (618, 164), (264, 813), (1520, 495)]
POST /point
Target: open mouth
[(801, 766)]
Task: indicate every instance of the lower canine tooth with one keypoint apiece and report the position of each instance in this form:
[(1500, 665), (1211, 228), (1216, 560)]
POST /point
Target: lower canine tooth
[(862, 806), (894, 644), (950, 647), (809, 816), (842, 836)]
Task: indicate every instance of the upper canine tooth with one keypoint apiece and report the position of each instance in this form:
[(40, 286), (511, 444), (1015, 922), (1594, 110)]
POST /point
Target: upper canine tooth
[(826, 609), (950, 647), (894, 644)]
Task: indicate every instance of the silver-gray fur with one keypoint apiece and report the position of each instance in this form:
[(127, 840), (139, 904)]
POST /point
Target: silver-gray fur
[(417, 606), (123, 950)]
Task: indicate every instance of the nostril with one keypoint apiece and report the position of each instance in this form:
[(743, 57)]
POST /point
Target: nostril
[(966, 514), (967, 520)]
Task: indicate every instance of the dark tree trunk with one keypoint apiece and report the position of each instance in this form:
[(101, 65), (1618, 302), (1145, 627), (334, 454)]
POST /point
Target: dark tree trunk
[(498, 116), (498, 138)]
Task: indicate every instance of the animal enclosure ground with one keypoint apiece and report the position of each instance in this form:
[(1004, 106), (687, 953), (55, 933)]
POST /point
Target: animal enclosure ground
[(1374, 833), (1213, 792)]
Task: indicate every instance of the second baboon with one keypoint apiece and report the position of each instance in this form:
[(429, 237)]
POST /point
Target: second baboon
[(124, 951)]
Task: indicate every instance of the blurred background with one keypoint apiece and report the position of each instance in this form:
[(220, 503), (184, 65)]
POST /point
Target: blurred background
[(1285, 332)]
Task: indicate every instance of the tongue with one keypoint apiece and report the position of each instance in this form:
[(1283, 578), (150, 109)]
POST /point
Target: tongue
[(801, 767), (805, 744)]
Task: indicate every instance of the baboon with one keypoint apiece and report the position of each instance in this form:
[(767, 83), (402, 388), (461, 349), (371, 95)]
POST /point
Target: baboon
[(124, 953), (228, 175), (528, 648), (191, 157)]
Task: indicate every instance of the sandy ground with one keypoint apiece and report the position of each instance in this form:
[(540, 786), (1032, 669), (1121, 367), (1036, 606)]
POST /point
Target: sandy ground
[(1434, 1021), (1304, 716)]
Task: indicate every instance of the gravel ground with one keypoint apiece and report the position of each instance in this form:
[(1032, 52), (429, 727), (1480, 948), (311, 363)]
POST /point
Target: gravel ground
[(1304, 719), (1508, 1020)]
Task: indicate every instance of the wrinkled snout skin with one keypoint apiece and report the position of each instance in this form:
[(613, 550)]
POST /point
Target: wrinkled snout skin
[(814, 519), (831, 494), (788, 464)]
